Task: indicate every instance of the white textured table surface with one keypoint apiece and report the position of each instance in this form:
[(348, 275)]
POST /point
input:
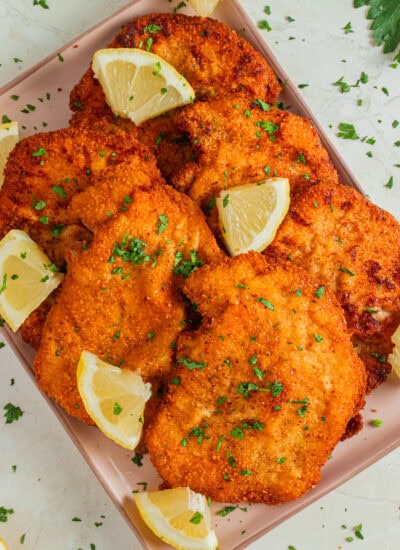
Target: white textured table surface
[(56, 500)]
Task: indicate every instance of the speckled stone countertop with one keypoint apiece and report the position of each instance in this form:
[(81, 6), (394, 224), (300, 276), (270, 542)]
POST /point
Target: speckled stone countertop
[(57, 503)]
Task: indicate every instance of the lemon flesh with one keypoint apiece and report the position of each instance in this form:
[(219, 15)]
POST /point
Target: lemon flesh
[(250, 214), (3, 545), (394, 357), (139, 85), (114, 398), (204, 7), (180, 517), (8, 139), (27, 277)]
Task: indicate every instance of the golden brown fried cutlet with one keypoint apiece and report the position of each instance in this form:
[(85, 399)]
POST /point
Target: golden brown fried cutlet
[(44, 176), (215, 60), (258, 400), (237, 140), (46, 170), (352, 247), (121, 298)]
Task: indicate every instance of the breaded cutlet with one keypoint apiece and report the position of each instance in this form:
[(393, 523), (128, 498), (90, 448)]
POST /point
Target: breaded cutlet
[(121, 298), (262, 391), (216, 60), (351, 247)]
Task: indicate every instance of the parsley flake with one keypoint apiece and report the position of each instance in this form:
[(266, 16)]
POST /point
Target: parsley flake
[(266, 303), (162, 223), (190, 364), (12, 413)]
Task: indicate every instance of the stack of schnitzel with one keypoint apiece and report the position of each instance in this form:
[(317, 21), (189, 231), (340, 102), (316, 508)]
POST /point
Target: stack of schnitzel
[(259, 364)]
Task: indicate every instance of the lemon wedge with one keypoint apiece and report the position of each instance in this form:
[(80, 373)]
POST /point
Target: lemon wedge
[(114, 398), (204, 7), (138, 84), (3, 545), (250, 214), (180, 517), (8, 138), (394, 357), (27, 277)]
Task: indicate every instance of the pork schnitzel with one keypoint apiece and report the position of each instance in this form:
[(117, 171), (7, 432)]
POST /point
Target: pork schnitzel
[(239, 140), (46, 170), (121, 297), (257, 401), (215, 60), (351, 247)]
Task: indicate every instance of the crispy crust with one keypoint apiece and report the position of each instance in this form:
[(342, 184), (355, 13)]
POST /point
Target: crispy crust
[(68, 160), (55, 168), (236, 141), (110, 306), (215, 60), (291, 357), (352, 247)]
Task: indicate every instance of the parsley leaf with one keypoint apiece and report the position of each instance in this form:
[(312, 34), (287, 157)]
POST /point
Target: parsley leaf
[(186, 267), (130, 250), (4, 513), (347, 131), (190, 364), (12, 413), (41, 3), (385, 26)]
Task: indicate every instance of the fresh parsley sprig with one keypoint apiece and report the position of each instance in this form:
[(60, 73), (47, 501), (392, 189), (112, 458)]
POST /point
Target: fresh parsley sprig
[(385, 26)]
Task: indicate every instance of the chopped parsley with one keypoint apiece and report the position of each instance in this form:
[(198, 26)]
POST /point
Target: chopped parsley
[(38, 204), (262, 104), (199, 433), (347, 131), (270, 127), (151, 28), (376, 423), (130, 250), (266, 303), (186, 267), (41, 3), (347, 28), (389, 183), (227, 510), (59, 190), (162, 223), (117, 409), (39, 152), (358, 531), (320, 292), (344, 270), (4, 513), (196, 518), (137, 459), (12, 413), (264, 25), (190, 364)]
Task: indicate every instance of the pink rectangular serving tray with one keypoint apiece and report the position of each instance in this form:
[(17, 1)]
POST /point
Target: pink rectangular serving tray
[(46, 87)]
